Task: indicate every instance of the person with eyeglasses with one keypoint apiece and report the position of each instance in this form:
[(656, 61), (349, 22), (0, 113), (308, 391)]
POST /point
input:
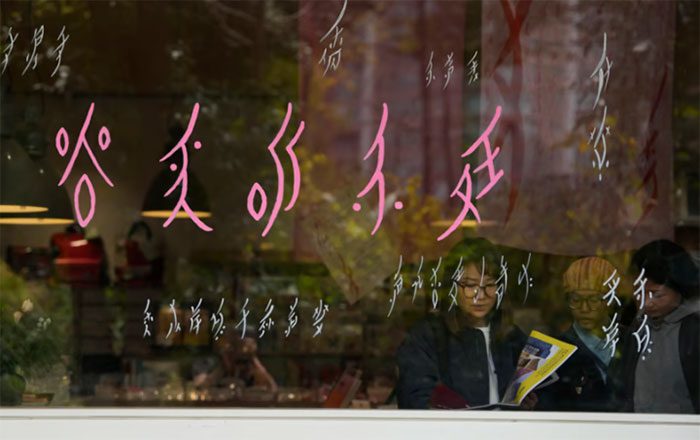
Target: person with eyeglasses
[(583, 383), (467, 354), (665, 379)]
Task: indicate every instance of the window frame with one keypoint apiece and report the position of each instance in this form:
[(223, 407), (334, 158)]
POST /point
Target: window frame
[(188, 423)]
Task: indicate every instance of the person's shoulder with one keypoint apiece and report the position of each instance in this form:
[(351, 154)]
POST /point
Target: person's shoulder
[(569, 335), (515, 335), (427, 330), (695, 316), (423, 338), (691, 322)]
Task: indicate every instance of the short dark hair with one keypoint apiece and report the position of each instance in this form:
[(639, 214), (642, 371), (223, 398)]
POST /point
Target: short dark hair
[(665, 262)]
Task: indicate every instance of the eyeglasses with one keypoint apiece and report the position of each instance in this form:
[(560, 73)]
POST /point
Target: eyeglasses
[(593, 302), (471, 289)]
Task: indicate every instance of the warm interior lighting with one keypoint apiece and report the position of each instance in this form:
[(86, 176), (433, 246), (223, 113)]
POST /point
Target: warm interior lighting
[(181, 214), (28, 191), (34, 221), (21, 209), (465, 224)]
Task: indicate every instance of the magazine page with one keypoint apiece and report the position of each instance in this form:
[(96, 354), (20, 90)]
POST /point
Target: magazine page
[(540, 358), (550, 380)]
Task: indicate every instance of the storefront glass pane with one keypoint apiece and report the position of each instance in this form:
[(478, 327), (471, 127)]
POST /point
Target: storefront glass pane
[(361, 204)]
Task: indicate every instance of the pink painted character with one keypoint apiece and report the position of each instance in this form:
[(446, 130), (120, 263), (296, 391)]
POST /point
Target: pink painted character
[(181, 180), (257, 214), (466, 178), (378, 176), (62, 144)]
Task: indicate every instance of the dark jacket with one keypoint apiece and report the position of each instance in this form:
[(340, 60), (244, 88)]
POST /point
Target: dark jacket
[(689, 353), (432, 355), (581, 385)]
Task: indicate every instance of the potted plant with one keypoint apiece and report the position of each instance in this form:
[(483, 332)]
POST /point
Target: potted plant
[(34, 332)]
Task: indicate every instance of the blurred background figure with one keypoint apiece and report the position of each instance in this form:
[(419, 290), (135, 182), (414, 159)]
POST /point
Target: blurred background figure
[(239, 365)]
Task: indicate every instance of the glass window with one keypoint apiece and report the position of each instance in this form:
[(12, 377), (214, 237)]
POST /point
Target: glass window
[(331, 204)]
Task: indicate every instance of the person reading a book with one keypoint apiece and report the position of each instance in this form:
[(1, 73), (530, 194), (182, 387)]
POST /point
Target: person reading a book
[(466, 356), (583, 383), (664, 376)]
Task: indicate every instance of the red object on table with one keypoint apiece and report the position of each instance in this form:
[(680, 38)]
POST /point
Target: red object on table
[(79, 260), (344, 390)]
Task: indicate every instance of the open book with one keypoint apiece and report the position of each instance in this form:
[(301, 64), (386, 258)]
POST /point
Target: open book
[(536, 368), (537, 365)]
